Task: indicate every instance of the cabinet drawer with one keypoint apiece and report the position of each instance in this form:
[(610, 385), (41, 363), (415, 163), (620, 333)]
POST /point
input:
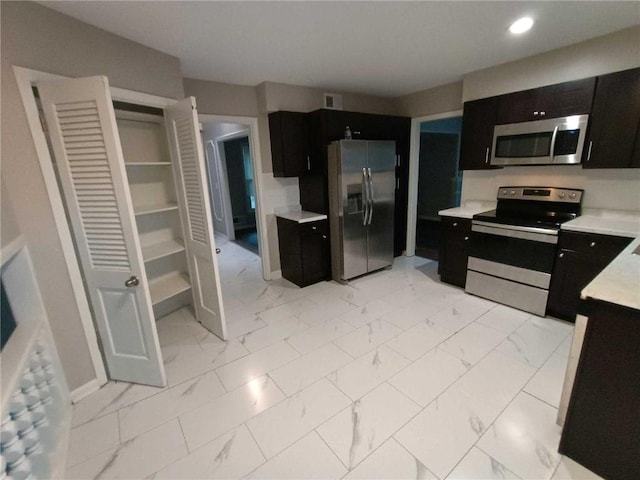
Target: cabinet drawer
[(310, 228), (461, 225), (602, 245)]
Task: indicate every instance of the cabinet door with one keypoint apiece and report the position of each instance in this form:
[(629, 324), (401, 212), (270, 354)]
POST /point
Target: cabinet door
[(337, 122), (314, 266), (454, 250), (615, 122), (477, 133), (187, 157), (564, 99), (289, 146), (560, 100), (86, 144), (581, 257), (518, 107)]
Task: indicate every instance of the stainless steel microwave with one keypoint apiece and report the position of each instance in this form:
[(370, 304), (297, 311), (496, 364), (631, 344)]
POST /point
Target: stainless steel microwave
[(542, 142)]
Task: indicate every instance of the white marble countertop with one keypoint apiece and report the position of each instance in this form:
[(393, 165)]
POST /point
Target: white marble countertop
[(619, 282), (468, 209), (607, 222), (301, 216)]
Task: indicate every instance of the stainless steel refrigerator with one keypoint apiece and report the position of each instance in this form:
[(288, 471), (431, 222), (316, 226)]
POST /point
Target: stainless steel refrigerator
[(362, 185)]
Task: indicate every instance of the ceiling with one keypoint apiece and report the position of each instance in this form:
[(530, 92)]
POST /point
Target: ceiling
[(379, 48)]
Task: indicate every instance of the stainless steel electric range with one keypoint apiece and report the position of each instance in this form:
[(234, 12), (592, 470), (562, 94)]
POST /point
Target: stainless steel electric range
[(513, 247)]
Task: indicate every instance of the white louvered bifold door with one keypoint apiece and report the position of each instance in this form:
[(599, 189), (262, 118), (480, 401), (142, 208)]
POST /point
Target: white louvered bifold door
[(84, 136), (195, 210)]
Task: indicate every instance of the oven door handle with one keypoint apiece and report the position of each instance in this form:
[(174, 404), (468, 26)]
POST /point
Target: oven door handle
[(513, 231)]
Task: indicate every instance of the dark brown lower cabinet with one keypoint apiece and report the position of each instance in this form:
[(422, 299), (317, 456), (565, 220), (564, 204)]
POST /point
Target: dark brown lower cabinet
[(454, 250), (602, 427), (581, 257), (304, 251)]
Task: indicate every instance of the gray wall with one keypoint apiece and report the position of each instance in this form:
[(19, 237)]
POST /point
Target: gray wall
[(9, 229), (223, 98), (445, 98), (39, 38)]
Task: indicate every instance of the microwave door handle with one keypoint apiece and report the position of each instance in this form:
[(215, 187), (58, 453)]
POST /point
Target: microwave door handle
[(553, 142)]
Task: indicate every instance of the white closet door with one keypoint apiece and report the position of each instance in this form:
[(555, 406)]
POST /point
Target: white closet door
[(188, 163), (86, 144)]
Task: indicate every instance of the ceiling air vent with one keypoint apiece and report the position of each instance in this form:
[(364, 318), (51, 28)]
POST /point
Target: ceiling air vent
[(333, 101)]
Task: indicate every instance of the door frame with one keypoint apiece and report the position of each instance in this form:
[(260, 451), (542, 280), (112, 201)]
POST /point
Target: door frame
[(25, 79), (256, 163), (414, 166)]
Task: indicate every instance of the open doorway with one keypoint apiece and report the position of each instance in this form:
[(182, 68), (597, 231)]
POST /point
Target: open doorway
[(237, 157), (439, 180), (232, 186)]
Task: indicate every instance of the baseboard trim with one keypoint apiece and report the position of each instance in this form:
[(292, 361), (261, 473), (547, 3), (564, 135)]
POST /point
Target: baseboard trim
[(85, 390), (276, 274)]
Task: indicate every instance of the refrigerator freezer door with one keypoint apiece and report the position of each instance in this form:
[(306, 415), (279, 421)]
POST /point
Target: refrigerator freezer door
[(352, 159), (381, 169)]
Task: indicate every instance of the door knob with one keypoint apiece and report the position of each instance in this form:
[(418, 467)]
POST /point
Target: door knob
[(218, 250), (132, 282)]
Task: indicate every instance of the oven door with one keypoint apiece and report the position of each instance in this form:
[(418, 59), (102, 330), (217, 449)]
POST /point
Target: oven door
[(511, 264)]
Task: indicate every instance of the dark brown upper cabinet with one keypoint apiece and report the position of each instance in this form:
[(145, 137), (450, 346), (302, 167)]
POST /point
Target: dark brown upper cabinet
[(560, 100), (478, 120), (289, 144), (613, 138)]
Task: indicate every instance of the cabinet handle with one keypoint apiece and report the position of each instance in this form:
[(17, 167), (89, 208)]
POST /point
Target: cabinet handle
[(324, 236), (308, 163), (455, 224), (314, 228), (561, 255), (589, 152), (593, 244), (535, 114), (132, 282), (466, 238), (542, 114), (356, 132), (486, 156)]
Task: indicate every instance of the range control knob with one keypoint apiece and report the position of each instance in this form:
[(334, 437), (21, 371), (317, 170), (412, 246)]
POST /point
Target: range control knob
[(504, 192), (562, 195), (512, 192), (572, 195)]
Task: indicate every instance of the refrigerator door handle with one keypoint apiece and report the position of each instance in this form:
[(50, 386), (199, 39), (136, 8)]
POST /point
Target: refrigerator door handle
[(365, 195), (371, 196)]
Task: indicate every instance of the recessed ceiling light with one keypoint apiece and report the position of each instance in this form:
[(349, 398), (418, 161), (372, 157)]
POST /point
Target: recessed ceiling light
[(521, 25)]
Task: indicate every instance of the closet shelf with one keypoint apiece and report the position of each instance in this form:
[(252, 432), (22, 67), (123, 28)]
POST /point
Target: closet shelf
[(167, 286), (154, 208), (145, 164), (162, 249)]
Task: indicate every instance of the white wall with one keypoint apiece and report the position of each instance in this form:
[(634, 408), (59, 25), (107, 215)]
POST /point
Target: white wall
[(604, 188)]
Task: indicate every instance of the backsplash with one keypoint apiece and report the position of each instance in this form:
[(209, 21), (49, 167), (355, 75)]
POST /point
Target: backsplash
[(615, 189)]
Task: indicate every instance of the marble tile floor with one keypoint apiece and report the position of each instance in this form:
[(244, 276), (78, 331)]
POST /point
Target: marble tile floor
[(393, 376)]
